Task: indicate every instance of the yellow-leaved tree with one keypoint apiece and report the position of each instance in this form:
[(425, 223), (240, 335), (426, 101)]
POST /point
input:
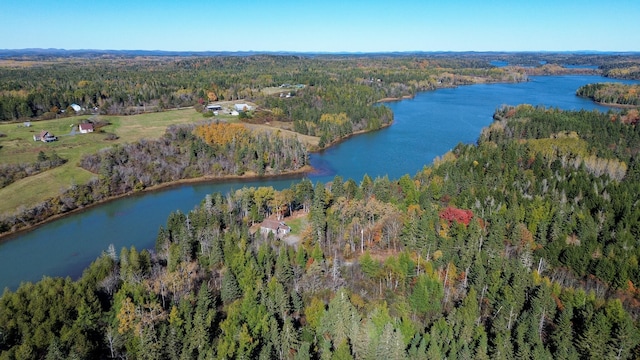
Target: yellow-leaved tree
[(222, 133)]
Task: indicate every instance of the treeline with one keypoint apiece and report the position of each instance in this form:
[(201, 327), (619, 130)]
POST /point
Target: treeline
[(499, 250), (625, 69), (134, 85), (179, 154), (611, 93), (10, 173), (41, 87)]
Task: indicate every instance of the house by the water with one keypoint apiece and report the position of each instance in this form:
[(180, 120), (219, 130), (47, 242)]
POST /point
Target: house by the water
[(276, 227)]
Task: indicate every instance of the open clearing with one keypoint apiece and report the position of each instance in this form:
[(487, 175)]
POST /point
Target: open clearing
[(311, 142), (18, 146)]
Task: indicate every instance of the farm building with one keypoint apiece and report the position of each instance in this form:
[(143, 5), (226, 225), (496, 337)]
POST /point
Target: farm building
[(85, 128), (242, 107), (214, 107), (44, 136)]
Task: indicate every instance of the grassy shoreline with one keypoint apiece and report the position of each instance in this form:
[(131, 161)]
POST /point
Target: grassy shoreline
[(10, 235)]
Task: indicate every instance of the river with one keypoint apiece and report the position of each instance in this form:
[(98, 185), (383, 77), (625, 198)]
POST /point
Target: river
[(425, 127)]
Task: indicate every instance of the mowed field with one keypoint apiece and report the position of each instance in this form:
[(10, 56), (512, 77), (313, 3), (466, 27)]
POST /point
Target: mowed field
[(18, 146), (285, 129)]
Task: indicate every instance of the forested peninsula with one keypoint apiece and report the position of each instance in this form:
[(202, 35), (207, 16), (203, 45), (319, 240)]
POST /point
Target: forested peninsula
[(612, 94), (522, 246)]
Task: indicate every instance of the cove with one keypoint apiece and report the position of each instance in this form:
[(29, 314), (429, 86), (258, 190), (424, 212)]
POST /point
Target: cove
[(426, 126)]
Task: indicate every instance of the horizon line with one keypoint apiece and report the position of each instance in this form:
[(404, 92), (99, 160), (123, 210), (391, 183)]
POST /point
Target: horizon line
[(325, 52)]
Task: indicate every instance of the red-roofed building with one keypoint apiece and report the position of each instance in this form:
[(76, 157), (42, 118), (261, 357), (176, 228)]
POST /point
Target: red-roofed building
[(85, 128)]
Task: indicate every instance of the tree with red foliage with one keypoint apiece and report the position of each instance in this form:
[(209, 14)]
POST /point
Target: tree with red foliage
[(452, 214)]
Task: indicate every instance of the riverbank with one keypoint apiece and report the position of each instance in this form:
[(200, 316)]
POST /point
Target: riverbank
[(611, 105), (355, 133), (617, 106), (19, 226), (394, 99), (209, 179)]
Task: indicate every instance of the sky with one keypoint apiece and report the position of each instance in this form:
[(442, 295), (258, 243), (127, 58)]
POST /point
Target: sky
[(322, 26)]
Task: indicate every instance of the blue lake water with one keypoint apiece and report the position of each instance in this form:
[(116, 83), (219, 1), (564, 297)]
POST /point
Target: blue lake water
[(425, 127)]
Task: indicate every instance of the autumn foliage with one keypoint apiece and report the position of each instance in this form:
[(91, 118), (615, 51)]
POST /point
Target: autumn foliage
[(222, 133), (451, 214)]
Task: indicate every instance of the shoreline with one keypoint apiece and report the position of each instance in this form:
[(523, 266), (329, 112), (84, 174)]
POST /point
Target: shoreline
[(395, 99), (10, 235), (614, 105), (345, 138), (611, 105)]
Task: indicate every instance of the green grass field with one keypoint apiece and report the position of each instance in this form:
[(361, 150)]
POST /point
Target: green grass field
[(297, 225), (18, 146)]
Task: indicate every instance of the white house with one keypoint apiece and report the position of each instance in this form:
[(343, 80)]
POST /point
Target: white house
[(76, 107), (276, 227), (44, 136), (242, 107), (85, 128)]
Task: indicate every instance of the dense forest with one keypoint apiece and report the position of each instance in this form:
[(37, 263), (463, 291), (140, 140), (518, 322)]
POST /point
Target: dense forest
[(184, 152), (132, 85), (522, 246), (622, 69), (611, 93), (321, 85)]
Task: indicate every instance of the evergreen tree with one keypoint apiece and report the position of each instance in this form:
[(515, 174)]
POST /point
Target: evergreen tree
[(342, 352), (592, 343), (562, 336), (342, 319), (284, 270), (230, 289), (318, 214)]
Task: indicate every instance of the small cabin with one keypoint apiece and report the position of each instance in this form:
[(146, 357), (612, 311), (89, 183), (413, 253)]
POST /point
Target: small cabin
[(85, 128)]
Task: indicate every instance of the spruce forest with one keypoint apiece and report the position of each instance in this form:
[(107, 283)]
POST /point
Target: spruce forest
[(521, 246)]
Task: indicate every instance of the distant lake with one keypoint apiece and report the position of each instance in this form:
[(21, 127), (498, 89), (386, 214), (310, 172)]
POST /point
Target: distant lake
[(425, 127)]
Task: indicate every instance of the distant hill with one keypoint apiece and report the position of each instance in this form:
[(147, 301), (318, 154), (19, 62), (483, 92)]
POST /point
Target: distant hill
[(52, 52)]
